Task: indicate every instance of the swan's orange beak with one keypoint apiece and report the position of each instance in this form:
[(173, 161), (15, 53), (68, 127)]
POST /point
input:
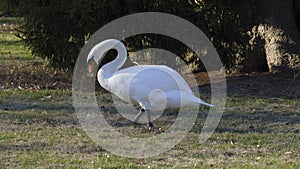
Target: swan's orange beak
[(92, 66)]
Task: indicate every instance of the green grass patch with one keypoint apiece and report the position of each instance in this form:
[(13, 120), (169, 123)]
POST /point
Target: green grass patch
[(12, 47), (31, 115), (248, 103), (6, 136), (34, 94), (10, 20), (53, 139)]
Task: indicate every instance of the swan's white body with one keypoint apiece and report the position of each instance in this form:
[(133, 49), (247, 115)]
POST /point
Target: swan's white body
[(153, 87)]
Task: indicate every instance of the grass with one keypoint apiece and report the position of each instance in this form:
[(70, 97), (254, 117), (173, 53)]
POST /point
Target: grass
[(13, 93), (12, 47), (46, 137), (39, 129)]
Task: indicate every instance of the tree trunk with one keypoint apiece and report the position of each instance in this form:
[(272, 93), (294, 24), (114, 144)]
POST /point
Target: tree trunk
[(297, 12), (278, 29), (271, 25)]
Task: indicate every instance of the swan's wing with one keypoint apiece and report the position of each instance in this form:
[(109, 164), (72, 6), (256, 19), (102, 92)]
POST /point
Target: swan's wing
[(179, 79), (150, 77), (140, 80)]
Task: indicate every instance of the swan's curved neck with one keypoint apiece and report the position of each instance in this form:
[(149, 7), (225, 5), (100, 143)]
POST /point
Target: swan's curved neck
[(107, 70)]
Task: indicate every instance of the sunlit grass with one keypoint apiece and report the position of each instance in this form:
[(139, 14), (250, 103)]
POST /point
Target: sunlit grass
[(12, 47), (34, 94), (10, 20), (46, 137)]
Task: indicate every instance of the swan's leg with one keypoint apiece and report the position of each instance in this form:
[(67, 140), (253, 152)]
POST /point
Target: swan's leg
[(148, 113), (146, 108), (138, 116)]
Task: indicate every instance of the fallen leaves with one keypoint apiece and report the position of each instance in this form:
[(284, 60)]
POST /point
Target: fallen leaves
[(28, 76)]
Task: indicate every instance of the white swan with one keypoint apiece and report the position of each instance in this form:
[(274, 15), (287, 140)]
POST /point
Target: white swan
[(153, 87)]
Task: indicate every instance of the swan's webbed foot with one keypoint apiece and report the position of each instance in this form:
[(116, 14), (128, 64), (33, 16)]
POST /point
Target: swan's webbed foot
[(150, 126)]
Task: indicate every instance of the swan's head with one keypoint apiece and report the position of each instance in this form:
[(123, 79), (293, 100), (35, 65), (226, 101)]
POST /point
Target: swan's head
[(98, 52)]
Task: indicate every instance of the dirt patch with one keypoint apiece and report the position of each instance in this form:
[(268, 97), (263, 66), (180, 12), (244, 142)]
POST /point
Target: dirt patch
[(27, 75), (32, 76), (257, 84), (36, 76)]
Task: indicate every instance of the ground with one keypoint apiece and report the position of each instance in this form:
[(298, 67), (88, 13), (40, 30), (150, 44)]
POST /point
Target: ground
[(260, 127)]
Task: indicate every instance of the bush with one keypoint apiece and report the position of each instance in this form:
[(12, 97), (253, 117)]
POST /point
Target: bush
[(9, 7), (56, 29)]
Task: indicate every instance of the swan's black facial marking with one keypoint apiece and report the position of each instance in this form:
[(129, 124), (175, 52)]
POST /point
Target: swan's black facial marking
[(92, 59)]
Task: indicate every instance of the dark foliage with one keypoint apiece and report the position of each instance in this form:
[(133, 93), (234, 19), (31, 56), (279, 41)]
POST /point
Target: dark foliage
[(56, 30), (9, 7)]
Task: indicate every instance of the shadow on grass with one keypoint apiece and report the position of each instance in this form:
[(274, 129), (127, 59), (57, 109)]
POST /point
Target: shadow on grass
[(45, 107), (260, 122)]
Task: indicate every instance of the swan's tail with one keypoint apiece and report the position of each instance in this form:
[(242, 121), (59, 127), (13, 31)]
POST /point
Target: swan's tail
[(187, 98), (197, 100), (204, 103)]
